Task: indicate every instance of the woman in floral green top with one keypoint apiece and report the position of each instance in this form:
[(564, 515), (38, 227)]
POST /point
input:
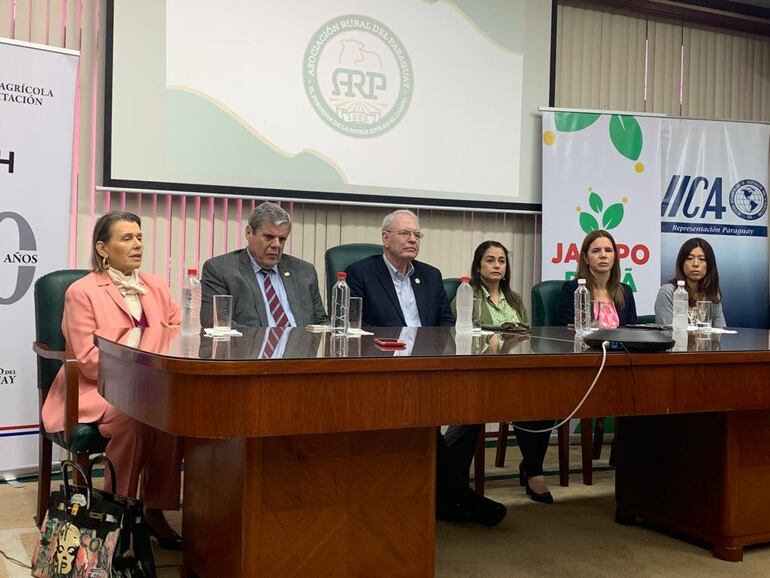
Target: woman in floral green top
[(491, 282)]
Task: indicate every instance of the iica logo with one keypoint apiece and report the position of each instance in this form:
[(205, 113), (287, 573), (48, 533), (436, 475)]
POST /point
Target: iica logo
[(358, 76), (610, 217), (748, 199), (685, 193), (22, 260)]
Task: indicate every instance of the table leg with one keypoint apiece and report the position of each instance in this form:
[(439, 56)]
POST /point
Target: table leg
[(344, 504), (586, 450), (705, 475)]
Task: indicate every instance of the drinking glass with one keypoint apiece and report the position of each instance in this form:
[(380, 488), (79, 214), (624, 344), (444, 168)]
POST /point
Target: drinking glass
[(354, 314), (223, 313), (703, 315)]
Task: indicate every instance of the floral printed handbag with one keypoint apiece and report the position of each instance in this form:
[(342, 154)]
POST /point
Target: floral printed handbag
[(88, 533)]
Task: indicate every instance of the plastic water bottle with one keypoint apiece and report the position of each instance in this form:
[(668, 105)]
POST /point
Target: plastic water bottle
[(582, 308), (340, 304), (464, 323), (463, 342), (191, 303), (681, 305), (680, 339)]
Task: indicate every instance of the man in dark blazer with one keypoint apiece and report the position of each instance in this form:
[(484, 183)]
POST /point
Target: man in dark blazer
[(392, 283), (269, 288), (398, 291)]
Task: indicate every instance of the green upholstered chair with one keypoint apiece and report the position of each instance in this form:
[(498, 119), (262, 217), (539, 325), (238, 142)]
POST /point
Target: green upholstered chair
[(78, 438), (338, 258), (450, 286), (545, 303)]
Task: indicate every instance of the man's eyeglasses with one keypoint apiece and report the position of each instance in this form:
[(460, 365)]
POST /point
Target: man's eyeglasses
[(406, 234)]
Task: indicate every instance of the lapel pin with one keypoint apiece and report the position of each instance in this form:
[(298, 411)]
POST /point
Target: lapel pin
[(417, 280), (286, 273)]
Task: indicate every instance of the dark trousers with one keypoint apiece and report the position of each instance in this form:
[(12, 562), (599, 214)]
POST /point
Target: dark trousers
[(461, 445), (451, 478)]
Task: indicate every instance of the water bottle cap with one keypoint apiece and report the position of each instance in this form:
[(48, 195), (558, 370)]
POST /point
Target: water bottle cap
[(342, 275), (465, 278), (680, 283), (192, 272), (581, 281)]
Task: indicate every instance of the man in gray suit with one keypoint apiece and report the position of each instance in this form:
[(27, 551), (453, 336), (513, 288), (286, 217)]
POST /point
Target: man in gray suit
[(269, 289)]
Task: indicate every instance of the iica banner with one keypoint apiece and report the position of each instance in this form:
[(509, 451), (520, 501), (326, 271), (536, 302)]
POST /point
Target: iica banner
[(602, 171), (37, 104), (715, 178)]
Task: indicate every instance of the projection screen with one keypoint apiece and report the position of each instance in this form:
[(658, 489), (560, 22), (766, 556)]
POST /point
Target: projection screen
[(408, 102)]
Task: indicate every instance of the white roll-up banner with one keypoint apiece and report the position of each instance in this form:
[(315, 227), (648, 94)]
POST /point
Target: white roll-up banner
[(602, 171), (37, 107)]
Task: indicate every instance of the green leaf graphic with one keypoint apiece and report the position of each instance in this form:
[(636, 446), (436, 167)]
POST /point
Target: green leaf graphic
[(596, 202), (612, 216), (574, 121), (588, 222), (626, 136)]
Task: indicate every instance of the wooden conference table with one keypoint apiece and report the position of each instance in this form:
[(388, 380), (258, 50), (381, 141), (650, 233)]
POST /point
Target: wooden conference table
[(322, 462)]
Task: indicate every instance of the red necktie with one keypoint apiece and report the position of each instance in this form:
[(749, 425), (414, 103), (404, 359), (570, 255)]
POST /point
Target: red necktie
[(276, 309), (273, 339)]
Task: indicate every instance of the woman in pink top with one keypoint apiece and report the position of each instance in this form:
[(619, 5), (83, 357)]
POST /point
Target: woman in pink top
[(600, 267), (117, 295)]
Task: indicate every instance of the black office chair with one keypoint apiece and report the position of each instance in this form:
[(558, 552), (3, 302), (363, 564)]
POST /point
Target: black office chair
[(80, 439)]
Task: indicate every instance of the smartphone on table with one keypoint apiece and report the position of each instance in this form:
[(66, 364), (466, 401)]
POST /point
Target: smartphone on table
[(389, 342)]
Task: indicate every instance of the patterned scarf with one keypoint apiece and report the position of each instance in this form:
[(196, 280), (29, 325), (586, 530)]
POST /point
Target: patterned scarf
[(130, 287)]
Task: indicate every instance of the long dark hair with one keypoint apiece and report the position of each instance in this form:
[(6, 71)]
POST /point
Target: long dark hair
[(709, 285), (513, 298), (614, 288), (103, 232)]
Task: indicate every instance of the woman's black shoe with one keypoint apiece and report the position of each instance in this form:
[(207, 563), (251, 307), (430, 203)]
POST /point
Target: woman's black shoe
[(544, 498)]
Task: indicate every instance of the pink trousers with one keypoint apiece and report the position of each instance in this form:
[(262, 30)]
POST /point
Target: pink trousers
[(134, 448)]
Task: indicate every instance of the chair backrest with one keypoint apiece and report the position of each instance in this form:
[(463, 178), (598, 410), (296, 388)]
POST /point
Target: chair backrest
[(450, 286), (338, 258), (645, 318), (545, 303), (49, 308)]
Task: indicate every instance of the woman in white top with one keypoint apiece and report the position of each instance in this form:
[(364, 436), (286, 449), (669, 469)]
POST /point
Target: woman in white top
[(696, 265)]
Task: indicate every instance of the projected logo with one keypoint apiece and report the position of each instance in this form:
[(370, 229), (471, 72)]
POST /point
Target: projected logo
[(358, 76)]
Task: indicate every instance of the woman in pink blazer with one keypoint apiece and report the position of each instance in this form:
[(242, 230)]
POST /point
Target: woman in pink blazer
[(117, 295)]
